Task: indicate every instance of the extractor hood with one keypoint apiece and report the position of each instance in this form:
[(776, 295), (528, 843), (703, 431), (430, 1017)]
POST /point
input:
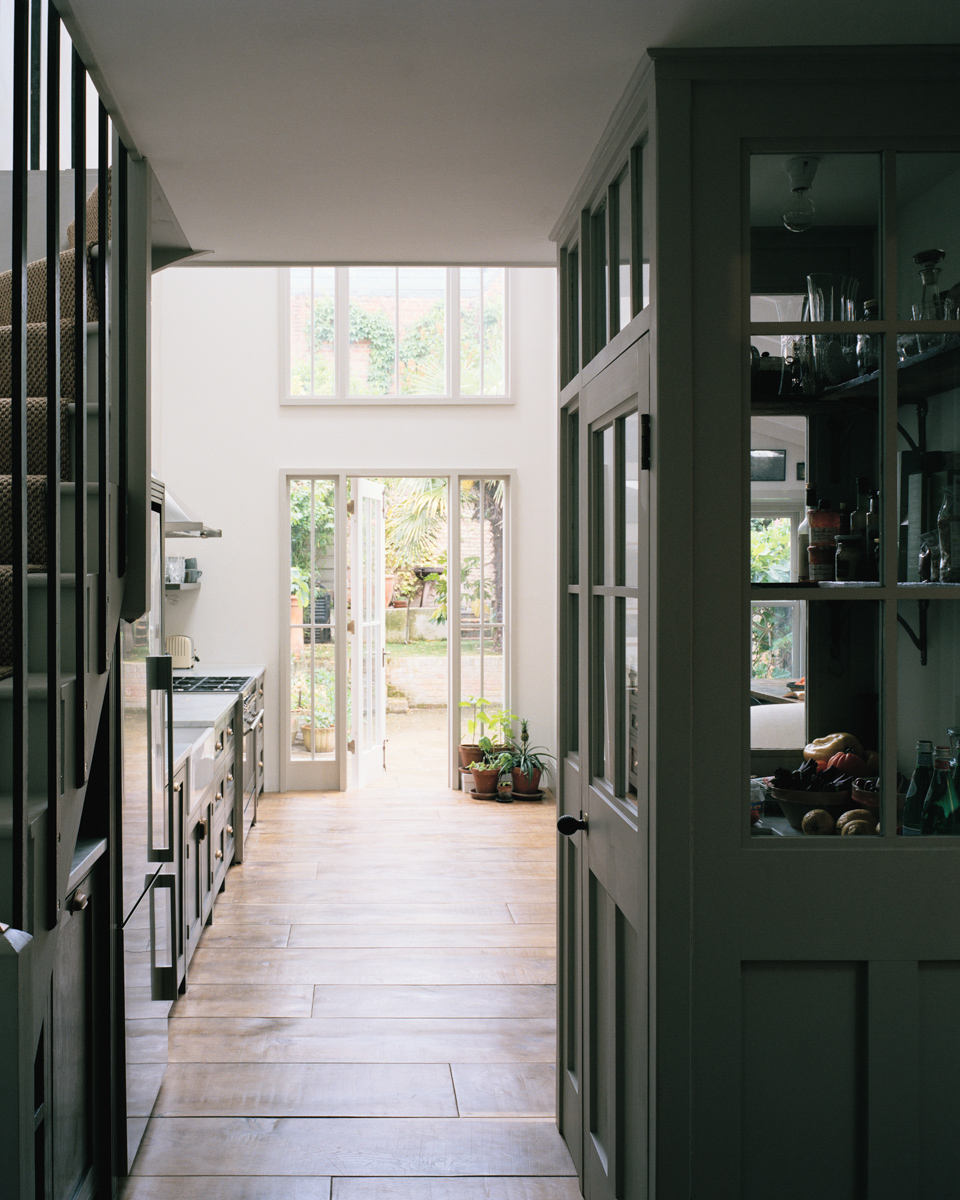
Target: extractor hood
[(178, 522)]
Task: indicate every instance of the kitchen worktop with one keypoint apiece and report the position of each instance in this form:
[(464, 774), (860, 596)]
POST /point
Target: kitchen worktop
[(202, 708)]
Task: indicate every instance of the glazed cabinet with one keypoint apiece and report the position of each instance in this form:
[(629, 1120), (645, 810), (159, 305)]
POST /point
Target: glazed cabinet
[(760, 629)]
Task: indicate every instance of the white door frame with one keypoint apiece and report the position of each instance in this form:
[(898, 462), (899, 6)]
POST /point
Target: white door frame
[(339, 775)]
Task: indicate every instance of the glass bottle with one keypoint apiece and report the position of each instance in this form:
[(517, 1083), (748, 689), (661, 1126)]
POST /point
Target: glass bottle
[(930, 307), (948, 528), (803, 535), (917, 791), (941, 808), (868, 344), (844, 518), (858, 518)]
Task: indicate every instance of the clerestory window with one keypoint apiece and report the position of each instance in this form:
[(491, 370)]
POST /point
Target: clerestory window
[(380, 335)]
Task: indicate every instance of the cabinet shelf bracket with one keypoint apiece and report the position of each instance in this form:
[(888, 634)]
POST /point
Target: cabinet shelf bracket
[(919, 640)]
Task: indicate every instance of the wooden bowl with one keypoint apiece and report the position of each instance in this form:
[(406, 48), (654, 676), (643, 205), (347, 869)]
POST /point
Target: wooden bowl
[(796, 805)]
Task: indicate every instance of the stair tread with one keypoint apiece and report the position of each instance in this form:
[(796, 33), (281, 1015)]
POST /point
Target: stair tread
[(36, 684)]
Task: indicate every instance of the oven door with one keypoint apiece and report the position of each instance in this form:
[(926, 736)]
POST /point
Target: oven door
[(251, 766)]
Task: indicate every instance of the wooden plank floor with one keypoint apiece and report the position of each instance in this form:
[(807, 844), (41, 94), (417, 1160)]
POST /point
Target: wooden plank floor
[(372, 1014)]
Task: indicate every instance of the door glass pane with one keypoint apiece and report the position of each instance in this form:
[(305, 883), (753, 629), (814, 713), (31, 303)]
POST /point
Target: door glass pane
[(814, 233), (841, 693), (422, 347), (635, 750), (600, 282), (312, 618), (608, 506), (482, 591), (494, 378), (573, 672), (640, 163), (373, 317), (571, 494), (928, 377), (631, 499), (608, 697), (625, 245), (928, 710)]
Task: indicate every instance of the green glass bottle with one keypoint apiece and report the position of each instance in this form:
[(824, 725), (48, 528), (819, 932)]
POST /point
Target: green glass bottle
[(917, 791), (941, 808)]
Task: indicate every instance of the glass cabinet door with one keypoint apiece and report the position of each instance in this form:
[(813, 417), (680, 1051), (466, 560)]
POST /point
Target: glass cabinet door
[(854, 478)]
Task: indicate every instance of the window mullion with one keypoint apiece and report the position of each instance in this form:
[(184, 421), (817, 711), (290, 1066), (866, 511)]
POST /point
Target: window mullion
[(341, 332)]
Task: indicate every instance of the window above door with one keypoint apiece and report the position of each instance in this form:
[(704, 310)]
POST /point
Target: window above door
[(396, 335)]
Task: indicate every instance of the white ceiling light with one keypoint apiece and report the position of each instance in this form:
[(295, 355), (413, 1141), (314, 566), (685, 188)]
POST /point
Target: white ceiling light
[(802, 213)]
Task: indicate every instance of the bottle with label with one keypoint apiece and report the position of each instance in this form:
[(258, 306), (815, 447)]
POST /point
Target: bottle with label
[(803, 535), (858, 519), (824, 524), (917, 791), (941, 808)]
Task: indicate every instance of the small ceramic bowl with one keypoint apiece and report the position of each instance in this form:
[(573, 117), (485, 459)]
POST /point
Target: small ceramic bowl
[(796, 805)]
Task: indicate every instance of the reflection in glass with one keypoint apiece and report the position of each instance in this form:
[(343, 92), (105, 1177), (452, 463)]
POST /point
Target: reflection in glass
[(631, 499), (608, 509), (928, 235), (625, 245), (634, 750)]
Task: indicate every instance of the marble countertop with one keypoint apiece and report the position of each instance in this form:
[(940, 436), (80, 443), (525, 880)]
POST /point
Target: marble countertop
[(201, 708)]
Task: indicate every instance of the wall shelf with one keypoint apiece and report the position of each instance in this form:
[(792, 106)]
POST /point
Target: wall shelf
[(182, 587)]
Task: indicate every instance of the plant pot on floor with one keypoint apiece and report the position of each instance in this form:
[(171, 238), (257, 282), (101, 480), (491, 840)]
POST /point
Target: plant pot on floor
[(318, 738), (469, 753), (522, 784), (485, 781)]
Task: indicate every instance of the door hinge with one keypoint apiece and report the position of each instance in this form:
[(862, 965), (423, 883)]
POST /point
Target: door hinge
[(644, 441)]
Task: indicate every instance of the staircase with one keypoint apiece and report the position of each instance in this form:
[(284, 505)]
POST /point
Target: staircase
[(55, 668)]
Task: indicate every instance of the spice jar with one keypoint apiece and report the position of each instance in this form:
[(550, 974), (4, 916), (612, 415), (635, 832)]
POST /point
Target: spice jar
[(822, 558), (849, 557)]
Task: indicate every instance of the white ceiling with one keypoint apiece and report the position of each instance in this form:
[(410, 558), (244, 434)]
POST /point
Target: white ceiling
[(409, 130)]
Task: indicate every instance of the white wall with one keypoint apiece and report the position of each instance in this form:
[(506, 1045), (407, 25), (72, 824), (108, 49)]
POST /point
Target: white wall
[(221, 439)]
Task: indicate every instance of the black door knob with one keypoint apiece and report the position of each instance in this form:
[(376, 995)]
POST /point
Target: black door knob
[(570, 824)]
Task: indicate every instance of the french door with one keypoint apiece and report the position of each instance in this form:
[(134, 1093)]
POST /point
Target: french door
[(366, 627), (603, 1044)]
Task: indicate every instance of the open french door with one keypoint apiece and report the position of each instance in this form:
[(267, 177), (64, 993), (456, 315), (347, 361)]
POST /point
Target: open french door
[(367, 632)]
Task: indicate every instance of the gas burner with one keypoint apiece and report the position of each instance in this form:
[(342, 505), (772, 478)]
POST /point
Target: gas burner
[(209, 683)]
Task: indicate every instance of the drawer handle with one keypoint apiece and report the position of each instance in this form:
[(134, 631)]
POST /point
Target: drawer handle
[(229, 777), (219, 745), (229, 731), (218, 854), (230, 830), (78, 902)]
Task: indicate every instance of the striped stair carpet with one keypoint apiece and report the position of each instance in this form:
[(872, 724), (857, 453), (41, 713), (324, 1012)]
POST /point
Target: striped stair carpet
[(37, 411)]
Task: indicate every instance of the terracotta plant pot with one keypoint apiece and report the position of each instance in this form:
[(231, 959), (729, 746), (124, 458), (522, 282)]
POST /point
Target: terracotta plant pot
[(469, 753), (485, 782), (524, 785), (319, 739)]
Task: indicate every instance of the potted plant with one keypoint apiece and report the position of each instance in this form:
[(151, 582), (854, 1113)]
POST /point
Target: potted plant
[(487, 768), (527, 763), (469, 749), (318, 734)]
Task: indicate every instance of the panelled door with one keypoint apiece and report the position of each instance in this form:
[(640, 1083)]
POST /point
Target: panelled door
[(607, 910), (368, 684)]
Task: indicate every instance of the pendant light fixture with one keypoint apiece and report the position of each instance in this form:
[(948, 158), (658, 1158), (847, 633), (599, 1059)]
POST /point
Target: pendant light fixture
[(801, 214)]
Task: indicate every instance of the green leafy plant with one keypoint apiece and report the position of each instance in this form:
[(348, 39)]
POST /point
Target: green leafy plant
[(300, 585), (480, 718), (491, 759), (528, 758)]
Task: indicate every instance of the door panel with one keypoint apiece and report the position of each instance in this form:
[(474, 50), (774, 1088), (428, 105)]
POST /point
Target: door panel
[(604, 916), (368, 618)]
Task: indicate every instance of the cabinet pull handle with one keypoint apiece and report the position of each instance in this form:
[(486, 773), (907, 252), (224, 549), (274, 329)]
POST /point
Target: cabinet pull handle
[(229, 731), (644, 441), (218, 854), (230, 830), (78, 902), (219, 745), (229, 777)]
